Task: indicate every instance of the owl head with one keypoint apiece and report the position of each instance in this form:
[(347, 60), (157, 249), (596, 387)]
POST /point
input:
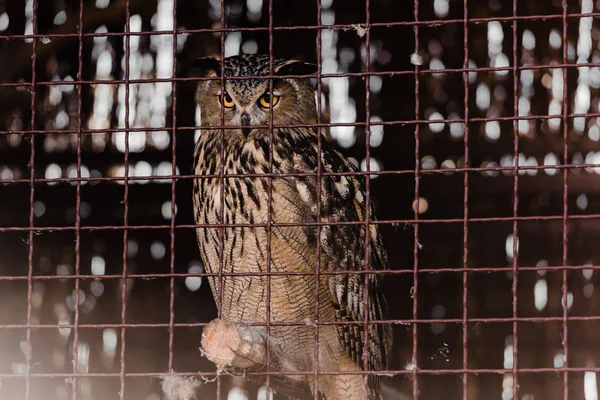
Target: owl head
[(248, 102)]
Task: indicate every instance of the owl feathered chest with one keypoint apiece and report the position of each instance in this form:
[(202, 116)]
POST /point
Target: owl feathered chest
[(242, 194)]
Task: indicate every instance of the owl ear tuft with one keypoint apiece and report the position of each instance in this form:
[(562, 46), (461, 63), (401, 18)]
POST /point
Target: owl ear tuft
[(297, 68), (207, 64)]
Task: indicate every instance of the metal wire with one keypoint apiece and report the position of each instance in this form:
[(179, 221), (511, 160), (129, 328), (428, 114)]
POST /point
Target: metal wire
[(410, 319)]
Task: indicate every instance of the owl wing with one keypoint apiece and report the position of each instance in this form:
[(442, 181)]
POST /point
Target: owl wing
[(343, 248)]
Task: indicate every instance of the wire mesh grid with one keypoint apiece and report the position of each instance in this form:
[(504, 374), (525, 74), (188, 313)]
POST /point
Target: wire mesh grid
[(473, 123)]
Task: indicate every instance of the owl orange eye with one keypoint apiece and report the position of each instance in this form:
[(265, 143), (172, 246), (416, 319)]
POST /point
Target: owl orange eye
[(227, 100), (266, 100)]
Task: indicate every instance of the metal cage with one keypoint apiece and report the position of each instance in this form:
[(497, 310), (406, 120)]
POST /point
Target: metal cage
[(475, 122)]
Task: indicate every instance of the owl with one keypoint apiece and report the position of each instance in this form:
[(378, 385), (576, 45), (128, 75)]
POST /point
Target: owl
[(283, 251)]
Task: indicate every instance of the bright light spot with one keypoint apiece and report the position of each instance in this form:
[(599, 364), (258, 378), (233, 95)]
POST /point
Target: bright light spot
[(594, 133), (132, 248), (528, 40), (53, 171), (97, 288), (542, 264), (457, 129), (39, 209), (28, 29), (343, 109), (375, 84), (249, 47), (98, 265), (501, 61), (582, 202), (423, 205), (492, 130), (262, 393), (142, 169), (590, 386), (18, 368), (550, 159), (495, 36), (436, 64), (164, 169), (373, 166), (411, 366), (4, 21), (160, 139), (158, 250), (328, 18), (555, 39), (511, 245), (62, 270), (237, 394), (109, 341), (60, 18), (588, 290), (490, 165), (482, 96), (448, 164), (193, 283), (437, 126), (416, 59), (102, 3), (376, 132), (428, 162), (233, 41), (540, 292), (472, 74), (559, 360), (441, 8), (137, 141), (508, 356), (555, 108), (104, 65), (254, 6), (166, 210), (83, 357), (587, 273), (325, 4), (527, 77), (569, 300), (524, 106), (64, 332)]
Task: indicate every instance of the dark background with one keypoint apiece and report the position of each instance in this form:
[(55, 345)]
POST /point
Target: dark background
[(438, 240)]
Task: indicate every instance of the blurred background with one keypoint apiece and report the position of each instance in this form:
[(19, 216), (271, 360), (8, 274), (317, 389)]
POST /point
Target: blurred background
[(467, 204)]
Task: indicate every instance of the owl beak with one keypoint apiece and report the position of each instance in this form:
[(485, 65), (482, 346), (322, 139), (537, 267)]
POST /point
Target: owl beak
[(246, 123)]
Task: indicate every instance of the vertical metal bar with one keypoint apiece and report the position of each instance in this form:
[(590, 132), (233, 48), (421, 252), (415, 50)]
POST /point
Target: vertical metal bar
[(78, 205), (318, 211), (515, 259), (28, 355), (269, 205), (125, 202), (565, 171), (465, 260), (367, 196), (414, 376), (219, 299), (173, 180)]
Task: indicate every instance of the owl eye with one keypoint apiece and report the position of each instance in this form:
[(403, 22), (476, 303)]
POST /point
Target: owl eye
[(266, 100), (227, 100)]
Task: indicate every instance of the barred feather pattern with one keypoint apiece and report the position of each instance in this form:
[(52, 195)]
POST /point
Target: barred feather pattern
[(293, 199)]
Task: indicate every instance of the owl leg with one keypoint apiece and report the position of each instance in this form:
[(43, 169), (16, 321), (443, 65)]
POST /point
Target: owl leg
[(342, 387)]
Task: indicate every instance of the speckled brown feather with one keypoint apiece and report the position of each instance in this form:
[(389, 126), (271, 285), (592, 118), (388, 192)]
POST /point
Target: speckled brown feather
[(293, 248)]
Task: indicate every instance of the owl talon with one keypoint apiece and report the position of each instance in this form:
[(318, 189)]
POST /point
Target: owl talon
[(227, 344)]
